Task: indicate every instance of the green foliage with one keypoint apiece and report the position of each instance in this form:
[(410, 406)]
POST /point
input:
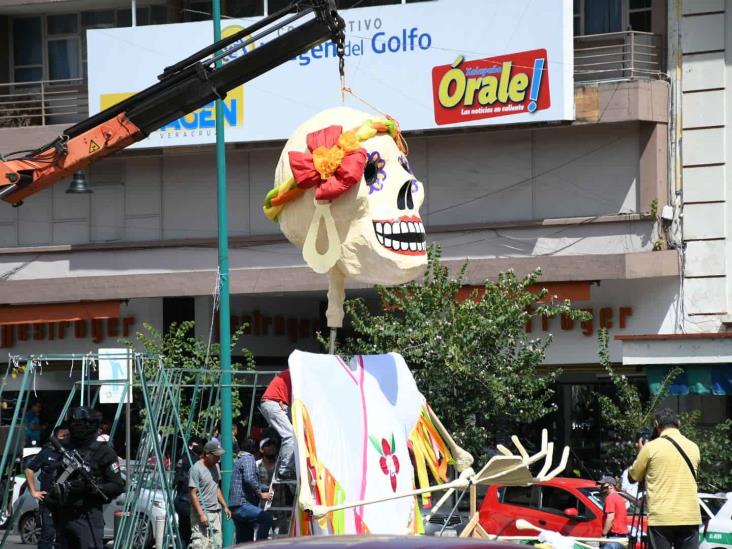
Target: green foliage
[(715, 472), (191, 361), (472, 359), (625, 414), (653, 208)]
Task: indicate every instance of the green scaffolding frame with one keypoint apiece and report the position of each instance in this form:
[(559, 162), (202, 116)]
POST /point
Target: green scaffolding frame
[(165, 431)]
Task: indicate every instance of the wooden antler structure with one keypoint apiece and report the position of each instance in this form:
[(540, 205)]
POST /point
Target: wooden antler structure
[(507, 469), (510, 469)]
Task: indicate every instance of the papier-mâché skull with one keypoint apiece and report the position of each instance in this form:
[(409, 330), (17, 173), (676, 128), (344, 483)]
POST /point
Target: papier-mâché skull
[(352, 163)]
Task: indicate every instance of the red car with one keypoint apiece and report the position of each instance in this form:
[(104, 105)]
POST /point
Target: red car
[(570, 506)]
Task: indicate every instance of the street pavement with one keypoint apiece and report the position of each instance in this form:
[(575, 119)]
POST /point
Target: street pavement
[(13, 541)]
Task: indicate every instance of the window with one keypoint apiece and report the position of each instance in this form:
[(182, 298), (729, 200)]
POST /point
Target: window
[(63, 59), (27, 49), (249, 8), (63, 46), (577, 17), (517, 495), (604, 16), (639, 15), (555, 500), (53, 47)]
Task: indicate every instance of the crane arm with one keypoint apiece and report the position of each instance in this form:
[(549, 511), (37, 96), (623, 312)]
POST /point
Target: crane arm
[(182, 88)]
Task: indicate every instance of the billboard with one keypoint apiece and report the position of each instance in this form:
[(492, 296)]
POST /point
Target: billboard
[(431, 65)]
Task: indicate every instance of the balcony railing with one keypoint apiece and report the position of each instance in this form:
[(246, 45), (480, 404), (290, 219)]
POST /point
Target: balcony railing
[(42, 103), (618, 56), (597, 57)]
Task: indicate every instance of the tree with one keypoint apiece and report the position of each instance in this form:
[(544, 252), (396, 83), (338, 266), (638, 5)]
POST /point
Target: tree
[(626, 414), (193, 362), (715, 471), (472, 358)]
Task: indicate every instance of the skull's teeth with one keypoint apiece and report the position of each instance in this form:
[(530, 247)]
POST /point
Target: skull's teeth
[(401, 235)]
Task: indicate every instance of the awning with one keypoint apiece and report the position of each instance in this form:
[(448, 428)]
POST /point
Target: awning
[(556, 291), (701, 379), (58, 312)]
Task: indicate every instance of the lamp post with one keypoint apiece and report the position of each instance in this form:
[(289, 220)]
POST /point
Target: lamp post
[(227, 462), (79, 184)]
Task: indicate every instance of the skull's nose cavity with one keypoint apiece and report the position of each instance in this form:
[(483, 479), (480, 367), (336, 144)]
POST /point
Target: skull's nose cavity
[(404, 198)]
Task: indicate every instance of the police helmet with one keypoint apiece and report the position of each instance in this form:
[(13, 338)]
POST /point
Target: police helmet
[(85, 414)]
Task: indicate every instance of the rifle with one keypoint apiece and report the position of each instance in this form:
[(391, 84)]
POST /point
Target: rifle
[(74, 463)]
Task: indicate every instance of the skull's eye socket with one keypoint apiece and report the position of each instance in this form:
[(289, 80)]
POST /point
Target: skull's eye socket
[(369, 172)]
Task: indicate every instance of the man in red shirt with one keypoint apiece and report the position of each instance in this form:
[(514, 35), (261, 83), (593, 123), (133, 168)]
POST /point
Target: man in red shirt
[(614, 513), (275, 406)]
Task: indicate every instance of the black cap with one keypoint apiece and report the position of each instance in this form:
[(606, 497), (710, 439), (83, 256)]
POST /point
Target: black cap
[(84, 414)]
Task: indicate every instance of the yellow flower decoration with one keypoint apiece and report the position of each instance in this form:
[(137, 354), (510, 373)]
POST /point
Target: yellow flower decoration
[(349, 141), (327, 159)]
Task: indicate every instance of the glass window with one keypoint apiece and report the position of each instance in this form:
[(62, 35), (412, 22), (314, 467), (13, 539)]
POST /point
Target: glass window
[(158, 15), (143, 16), (63, 59), (198, 11), (640, 21), (247, 8), (346, 4), (276, 5), (124, 17), (98, 19), (27, 41), (639, 4), (32, 74), (715, 505), (517, 495), (556, 500), (603, 16), (62, 24)]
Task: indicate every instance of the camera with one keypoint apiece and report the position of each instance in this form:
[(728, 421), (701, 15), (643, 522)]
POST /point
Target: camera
[(644, 434)]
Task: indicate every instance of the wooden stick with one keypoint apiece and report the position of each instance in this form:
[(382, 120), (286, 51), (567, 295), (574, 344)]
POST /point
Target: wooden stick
[(322, 510), (522, 524)]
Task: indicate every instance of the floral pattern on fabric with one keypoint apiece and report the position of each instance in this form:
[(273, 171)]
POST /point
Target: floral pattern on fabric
[(388, 461)]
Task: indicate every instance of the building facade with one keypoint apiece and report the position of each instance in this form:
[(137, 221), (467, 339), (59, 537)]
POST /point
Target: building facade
[(616, 213)]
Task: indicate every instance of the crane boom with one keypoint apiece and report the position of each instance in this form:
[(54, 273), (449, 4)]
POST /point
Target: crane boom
[(182, 88)]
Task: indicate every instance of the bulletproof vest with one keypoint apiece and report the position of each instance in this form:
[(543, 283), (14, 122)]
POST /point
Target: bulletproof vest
[(58, 497)]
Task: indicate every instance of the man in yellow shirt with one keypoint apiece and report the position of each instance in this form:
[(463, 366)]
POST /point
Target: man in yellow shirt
[(668, 465)]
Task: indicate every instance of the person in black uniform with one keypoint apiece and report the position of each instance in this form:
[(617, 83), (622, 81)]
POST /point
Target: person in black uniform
[(78, 514), (183, 494), (47, 461)]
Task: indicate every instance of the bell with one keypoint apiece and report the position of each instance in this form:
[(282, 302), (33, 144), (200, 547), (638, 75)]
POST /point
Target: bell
[(79, 184)]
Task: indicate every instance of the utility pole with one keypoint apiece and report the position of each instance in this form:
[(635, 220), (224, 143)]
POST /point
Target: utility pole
[(227, 463)]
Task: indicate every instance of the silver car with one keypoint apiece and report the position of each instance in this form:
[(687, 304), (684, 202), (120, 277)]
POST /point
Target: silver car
[(150, 505)]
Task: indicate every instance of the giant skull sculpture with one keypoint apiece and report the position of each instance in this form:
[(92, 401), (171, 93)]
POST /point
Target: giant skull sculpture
[(345, 194)]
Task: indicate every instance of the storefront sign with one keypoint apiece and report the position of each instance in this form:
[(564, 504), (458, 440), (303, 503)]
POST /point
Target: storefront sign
[(96, 329), (434, 64), (277, 325), (603, 317)]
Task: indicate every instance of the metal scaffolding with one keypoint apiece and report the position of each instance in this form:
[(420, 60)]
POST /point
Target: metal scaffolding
[(174, 404)]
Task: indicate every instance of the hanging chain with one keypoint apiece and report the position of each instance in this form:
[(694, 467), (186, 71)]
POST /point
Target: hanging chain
[(337, 27)]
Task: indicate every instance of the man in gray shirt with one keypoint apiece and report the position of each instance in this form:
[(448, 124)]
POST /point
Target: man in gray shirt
[(206, 499)]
